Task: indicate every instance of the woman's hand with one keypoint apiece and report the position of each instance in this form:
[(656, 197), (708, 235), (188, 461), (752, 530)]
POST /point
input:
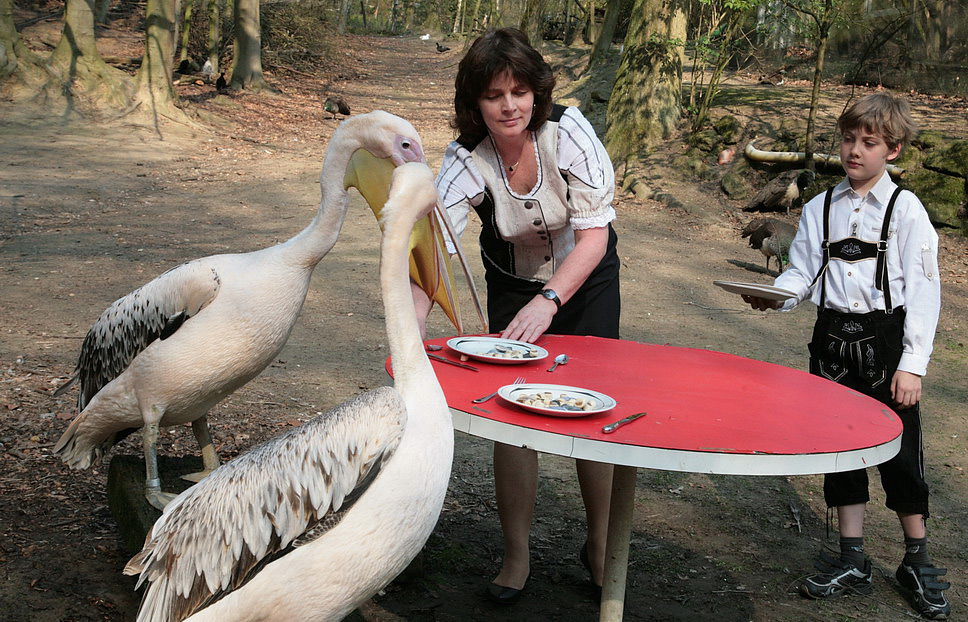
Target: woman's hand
[(532, 320), (906, 389)]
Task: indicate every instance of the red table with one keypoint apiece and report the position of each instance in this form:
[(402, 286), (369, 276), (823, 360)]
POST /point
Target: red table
[(708, 412)]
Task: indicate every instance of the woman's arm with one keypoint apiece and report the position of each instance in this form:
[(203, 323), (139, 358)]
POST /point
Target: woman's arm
[(535, 317)]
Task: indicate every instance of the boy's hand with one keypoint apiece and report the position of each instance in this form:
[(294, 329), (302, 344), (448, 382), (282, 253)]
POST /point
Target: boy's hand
[(906, 389), (762, 304)]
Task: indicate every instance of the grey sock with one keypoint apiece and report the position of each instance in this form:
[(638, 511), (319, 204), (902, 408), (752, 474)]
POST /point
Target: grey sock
[(852, 550), (916, 551)]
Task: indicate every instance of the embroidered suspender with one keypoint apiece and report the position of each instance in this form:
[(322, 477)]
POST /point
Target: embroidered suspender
[(881, 281)]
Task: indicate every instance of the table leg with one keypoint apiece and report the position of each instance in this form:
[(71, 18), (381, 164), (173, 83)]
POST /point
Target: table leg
[(617, 544)]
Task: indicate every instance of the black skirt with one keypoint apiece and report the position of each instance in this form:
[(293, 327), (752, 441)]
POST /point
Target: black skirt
[(594, 309)]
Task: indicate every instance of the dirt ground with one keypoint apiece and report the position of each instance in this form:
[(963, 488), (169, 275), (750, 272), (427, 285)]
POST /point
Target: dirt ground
[(89, 212)]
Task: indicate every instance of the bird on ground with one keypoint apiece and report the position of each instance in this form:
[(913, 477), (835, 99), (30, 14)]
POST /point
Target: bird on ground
[(336, 104), (771, 237), (185, 67), (425, 37), (208, 71), (168, 352), (781, 192), (313, 522), (220, 84), (441, 48)]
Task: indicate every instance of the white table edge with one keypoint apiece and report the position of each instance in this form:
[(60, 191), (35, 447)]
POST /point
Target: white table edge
[(720, 463)]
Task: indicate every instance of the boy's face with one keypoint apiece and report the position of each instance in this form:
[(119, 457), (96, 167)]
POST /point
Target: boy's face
[(865, 156)]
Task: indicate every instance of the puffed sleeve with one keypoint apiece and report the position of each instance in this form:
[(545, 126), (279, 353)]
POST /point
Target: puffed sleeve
[(588, 168), (459, 186)]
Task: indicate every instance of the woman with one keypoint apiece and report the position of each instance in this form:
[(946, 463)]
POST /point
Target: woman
[(542, 184)]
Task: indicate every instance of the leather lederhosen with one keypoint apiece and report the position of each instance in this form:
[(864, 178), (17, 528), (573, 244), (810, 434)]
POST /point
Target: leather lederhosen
[(853, 348)]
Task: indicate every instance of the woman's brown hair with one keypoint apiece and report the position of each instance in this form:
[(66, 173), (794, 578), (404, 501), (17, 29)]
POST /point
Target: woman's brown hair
[(491, 54)]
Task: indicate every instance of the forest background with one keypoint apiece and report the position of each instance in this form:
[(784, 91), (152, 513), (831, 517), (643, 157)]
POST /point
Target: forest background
[(120, 158)]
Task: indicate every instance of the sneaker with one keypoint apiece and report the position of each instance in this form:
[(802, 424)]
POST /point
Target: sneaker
[(927, 591), (836, 578)]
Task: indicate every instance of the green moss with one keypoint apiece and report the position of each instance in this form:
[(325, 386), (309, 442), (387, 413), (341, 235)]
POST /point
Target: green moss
[(929, 139), (940, 194), (953, 158), (728, 127)]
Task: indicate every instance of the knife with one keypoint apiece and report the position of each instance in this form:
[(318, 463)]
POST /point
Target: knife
[(611, 427), (442, 359)]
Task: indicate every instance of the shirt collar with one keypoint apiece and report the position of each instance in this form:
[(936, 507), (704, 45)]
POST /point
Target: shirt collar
[(881, 191)]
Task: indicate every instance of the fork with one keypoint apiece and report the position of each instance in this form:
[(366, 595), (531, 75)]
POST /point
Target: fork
[(480, 400)]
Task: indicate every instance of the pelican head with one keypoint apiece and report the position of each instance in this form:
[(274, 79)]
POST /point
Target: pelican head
[(370, 171)]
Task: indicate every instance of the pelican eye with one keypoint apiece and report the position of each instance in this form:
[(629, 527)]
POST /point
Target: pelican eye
[(405, 144)]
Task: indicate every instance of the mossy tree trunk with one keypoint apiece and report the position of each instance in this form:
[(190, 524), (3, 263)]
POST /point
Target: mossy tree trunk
[(247, 50), (186, 29), (79, 79), (645, 105), (18, 65)]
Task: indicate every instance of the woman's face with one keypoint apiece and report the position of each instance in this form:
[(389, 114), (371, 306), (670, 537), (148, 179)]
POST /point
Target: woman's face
[(506, 106)]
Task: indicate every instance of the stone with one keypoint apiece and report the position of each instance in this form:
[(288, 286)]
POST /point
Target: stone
[(126, 493)]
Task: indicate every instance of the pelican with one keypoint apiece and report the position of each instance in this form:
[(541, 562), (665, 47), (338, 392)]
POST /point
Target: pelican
[(313, 522), (166, 353)]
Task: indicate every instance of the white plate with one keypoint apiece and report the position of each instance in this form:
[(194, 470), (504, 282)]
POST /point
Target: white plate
[(767, 292), (497, 350), (599, 401)]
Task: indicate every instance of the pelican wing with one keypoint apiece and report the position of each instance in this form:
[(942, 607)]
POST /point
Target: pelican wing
[(283, 493), (153, 311)]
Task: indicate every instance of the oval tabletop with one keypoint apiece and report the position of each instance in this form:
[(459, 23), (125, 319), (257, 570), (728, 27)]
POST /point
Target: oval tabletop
[(706, 411)]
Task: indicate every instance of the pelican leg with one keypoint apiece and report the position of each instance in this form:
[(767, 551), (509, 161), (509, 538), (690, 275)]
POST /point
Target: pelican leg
[(209, 456), (158, 499)]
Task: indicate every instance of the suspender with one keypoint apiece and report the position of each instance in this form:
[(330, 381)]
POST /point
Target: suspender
[(881, 281)]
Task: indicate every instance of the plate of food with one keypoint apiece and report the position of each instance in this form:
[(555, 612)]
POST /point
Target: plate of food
[(767, 292), (497, 350), (557, 400)]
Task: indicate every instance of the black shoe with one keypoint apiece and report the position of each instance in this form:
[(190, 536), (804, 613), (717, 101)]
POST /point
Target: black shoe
[(505, 595), (927, 591), (836, 578), (583, 558)]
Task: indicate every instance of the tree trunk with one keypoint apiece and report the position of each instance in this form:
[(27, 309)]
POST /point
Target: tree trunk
[(531, 21), (247, 56), (589, 35), (344, 12), (457, 12), (215, 12), (824, 37), (18, 65), (186, 28), (155, 94), (604, 41), (644, 107), (78, 74)]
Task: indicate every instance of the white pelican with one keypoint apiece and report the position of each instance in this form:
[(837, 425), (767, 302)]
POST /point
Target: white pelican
[(313, 522), (166, 353)]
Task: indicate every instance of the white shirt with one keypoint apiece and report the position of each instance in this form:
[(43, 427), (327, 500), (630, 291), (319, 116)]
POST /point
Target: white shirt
[(591, 178), (912, 263)]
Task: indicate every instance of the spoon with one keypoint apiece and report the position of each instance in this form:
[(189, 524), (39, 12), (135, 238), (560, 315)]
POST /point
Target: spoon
[(561, 359)]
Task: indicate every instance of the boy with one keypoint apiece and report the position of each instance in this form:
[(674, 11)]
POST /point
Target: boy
[(866, 255)]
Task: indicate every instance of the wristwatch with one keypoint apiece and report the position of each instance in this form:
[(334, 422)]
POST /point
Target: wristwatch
[(552, 295)]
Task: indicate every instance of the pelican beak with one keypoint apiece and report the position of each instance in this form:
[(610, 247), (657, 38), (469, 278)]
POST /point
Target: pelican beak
[(429, 260)]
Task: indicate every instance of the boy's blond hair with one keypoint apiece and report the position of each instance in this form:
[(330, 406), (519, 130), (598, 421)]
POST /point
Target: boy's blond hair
[(882, 114)]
